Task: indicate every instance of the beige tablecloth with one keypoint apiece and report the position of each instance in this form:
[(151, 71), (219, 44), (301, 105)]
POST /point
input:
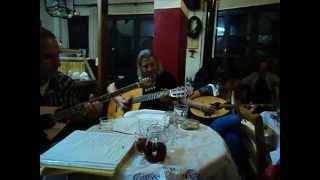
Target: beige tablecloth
[(202, 150)]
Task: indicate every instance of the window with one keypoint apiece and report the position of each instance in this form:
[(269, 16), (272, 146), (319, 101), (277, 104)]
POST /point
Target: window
[(128, 35), (242, 31), (78, 27)]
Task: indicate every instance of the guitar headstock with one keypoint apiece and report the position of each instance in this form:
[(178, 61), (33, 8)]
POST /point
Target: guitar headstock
[(178, 92), (146, 82)]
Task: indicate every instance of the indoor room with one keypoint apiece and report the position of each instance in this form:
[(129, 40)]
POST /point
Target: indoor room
[(160, 89)]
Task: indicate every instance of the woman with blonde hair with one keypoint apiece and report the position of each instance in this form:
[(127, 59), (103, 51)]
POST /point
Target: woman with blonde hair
[(148, 66)]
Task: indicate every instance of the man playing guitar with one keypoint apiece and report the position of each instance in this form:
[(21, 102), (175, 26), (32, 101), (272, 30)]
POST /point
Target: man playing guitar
[(57, 89)]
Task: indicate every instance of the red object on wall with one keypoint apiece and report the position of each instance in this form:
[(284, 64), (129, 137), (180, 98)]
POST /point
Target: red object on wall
[(170, 40)]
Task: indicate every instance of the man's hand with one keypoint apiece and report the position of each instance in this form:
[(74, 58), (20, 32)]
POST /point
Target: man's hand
[(93, 109), (122, 103), (207, 108)]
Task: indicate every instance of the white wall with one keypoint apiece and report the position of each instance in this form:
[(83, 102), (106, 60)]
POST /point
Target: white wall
[(127, 9), (193, 64), (47, 21)]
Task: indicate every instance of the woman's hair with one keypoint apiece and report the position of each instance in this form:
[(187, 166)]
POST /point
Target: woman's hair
[(146, 53)]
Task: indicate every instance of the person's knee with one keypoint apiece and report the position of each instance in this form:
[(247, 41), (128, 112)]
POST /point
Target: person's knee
[(234, 119), (233, 141), (227, 122)]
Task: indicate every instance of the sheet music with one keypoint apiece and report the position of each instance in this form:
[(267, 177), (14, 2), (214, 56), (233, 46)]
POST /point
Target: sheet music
[(84, 149)]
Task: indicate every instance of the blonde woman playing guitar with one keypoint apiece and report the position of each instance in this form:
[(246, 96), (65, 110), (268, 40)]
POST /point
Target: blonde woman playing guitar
[(148, 66)]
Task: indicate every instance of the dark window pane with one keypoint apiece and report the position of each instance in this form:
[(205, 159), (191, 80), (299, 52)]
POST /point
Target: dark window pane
[(266, 22), (220, 26), (79, 33), (146, 27), (219, 46), (145, 43), (265, 39), (238, 25), (237, 45), (125, 27)]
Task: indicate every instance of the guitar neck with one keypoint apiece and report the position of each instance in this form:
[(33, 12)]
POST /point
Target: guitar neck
[(247, 105), (58, 116), (148, 97), (104, 98)]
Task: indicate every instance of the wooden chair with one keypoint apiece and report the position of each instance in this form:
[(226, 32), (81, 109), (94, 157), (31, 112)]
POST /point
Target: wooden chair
[(253, 138)]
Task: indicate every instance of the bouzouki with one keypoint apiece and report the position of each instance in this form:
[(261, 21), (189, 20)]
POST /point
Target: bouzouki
[(59, 119), (135, 98), (220, 108)]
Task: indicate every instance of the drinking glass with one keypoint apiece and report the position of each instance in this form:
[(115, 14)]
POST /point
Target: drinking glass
[(105, 124), (156, 149)]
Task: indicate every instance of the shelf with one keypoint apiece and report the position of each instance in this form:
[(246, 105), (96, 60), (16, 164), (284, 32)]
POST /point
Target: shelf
[(74, 58)]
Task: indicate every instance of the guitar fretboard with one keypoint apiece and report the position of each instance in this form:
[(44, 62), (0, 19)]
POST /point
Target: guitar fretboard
[(149, 97), (79, 107)]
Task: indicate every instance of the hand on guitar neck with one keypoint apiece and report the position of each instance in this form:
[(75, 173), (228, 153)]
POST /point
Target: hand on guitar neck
[(123, 103), (90, 110)]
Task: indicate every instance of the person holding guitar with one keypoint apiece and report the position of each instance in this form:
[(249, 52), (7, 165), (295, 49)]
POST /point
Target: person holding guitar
[(57, 89), (148, 66), (227, 125), (263, 85)]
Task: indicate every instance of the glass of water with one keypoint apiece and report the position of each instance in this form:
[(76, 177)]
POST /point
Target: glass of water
[(180, 113), (105, 124)]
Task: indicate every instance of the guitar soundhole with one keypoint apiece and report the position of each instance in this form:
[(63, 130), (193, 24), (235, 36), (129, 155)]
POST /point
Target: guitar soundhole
[(208, 113)]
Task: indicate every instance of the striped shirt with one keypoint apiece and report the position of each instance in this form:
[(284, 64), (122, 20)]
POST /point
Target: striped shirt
[(61, 91)]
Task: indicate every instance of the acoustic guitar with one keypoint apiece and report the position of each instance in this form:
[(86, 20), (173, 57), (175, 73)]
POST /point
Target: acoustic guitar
[(220, 108), (135, 98), (59, 119)]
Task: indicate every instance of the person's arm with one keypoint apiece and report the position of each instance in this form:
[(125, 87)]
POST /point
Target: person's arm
[(206, 90), (71, 98)]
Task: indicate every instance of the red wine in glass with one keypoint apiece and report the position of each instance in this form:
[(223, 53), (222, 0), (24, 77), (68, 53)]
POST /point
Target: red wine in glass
[(140, 144), (155, 152)]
